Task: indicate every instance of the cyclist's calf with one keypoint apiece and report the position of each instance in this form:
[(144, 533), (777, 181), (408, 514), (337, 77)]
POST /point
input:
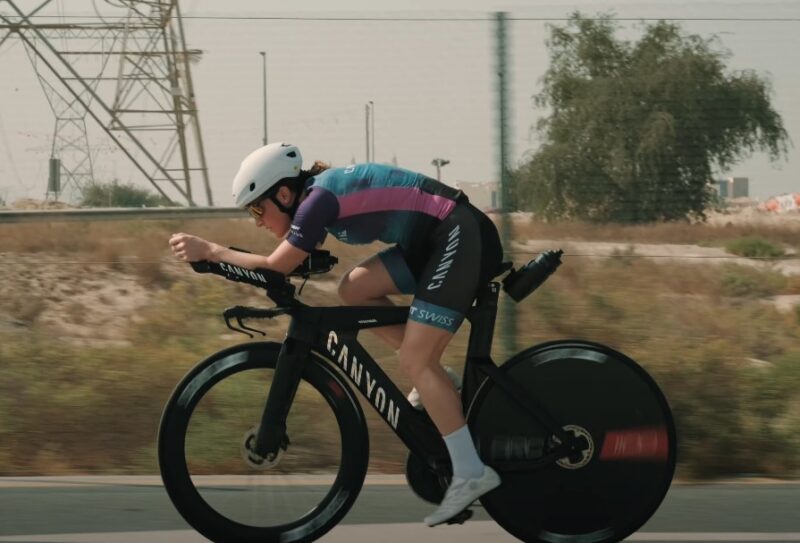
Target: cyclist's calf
[(420, 354)]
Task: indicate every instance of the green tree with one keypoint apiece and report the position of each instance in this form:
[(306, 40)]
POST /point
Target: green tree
[(636, 131), (117, 194)]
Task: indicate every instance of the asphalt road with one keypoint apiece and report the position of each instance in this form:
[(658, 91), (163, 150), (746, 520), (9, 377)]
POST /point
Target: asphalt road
[(128, 510)]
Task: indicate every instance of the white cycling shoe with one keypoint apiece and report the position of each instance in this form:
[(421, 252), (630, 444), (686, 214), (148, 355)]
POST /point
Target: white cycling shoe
[(461, 493), (413, 396)]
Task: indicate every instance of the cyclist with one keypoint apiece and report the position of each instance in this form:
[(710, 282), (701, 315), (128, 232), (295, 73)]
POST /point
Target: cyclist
[(443, 250)]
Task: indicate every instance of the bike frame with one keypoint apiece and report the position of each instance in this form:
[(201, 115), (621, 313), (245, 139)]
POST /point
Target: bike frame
[(331, 333)]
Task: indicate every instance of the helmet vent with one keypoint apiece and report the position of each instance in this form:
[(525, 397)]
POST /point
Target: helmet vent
[(252, 187), (291, 154)]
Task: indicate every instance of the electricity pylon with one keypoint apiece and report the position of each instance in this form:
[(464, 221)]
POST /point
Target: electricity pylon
[(147, 106)]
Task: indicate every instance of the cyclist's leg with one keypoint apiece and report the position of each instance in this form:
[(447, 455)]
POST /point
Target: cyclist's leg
[(444, 292), (464, 253), (464, 250), (370, 283), (420, 353), (373, 280)]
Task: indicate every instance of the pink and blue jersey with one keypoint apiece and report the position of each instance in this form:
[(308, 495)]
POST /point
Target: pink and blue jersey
[(368, 202), (442, 250)]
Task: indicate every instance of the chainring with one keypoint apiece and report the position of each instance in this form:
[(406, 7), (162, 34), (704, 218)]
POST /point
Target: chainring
[(428, 483)]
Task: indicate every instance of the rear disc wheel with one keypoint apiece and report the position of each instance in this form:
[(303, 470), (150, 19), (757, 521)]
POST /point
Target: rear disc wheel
[(605, 491)]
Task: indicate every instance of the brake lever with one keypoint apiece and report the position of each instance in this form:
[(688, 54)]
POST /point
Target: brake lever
[(241, 324), (232, 327), (239, 313), (242, 328)]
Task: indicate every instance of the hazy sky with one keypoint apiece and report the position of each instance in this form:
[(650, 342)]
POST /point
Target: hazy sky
[(432, 82)]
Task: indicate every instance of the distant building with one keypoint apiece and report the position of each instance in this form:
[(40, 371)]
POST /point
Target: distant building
[(733, 187), (484, 196), (741, 187), (722, 187)]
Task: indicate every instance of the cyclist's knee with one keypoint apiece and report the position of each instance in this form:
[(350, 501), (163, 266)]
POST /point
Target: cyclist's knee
[(348, 292), (412, 363), (353, 287), (419, 350)]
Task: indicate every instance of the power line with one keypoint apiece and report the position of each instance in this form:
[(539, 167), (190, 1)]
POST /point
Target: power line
[(486, 18)]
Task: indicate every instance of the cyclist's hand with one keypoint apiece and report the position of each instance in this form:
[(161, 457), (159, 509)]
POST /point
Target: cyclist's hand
[(190, 248)]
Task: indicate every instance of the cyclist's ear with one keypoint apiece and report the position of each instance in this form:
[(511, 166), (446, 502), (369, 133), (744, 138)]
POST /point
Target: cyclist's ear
[(285, 195)]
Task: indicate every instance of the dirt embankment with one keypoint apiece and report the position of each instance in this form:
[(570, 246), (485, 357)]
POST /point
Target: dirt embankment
[(72, 297), (94, 301)]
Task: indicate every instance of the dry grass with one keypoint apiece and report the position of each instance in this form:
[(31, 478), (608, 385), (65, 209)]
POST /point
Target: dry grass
[(681, 233), (140, 248), (696, 328)]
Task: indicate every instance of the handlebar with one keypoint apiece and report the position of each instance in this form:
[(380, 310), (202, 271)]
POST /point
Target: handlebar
[(277, 285), (316, 263)]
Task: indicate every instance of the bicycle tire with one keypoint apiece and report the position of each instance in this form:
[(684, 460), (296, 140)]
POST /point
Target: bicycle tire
[(616, 485), (214, 510)]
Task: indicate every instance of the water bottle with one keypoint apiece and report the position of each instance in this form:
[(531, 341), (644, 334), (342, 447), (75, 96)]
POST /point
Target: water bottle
[(520, 283)]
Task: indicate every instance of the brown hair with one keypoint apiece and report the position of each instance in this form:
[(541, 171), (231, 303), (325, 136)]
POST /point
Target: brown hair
[(296, 184), (317, 168)]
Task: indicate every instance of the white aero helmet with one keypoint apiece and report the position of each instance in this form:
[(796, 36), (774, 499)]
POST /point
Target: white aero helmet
[(262, 169)]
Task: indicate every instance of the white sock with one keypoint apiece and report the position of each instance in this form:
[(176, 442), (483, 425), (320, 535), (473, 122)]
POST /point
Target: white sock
[(466, 462)]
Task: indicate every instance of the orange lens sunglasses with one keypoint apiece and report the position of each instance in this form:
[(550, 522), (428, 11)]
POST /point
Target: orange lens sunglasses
[(255, 210)]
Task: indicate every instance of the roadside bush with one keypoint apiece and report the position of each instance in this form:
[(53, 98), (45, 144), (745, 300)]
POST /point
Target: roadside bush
[(771, 415), (23, 308), (754, 247), (116, 194), (741, 281)]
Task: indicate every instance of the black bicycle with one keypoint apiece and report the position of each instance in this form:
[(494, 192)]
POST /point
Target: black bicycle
[(266, 441)]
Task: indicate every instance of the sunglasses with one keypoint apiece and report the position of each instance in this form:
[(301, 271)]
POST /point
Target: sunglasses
[(255, 210)]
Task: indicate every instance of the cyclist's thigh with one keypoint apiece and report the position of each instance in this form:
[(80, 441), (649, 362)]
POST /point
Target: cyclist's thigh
[(452, 272), (368, 280)]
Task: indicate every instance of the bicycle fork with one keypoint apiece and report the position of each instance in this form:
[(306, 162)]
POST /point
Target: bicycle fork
[(271, 436)]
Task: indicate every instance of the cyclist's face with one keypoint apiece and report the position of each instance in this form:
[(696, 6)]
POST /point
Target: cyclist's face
[(272, 218)]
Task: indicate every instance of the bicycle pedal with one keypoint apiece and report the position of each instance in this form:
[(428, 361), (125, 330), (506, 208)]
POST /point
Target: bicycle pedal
[(461, 518)]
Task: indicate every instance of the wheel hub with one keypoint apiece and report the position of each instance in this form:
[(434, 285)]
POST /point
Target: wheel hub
[(571, 462), (252, 459)]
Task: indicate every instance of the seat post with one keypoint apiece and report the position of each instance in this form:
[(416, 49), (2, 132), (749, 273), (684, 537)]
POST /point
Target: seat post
[(482, 317)]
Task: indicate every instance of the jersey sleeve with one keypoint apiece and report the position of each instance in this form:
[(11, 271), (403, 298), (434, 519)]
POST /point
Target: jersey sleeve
[(318, 210)]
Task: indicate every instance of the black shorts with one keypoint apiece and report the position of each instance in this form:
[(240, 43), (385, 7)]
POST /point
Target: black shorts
[(444, 272)]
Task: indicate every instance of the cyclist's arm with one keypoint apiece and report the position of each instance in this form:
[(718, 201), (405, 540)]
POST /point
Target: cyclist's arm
[(284, 259)]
